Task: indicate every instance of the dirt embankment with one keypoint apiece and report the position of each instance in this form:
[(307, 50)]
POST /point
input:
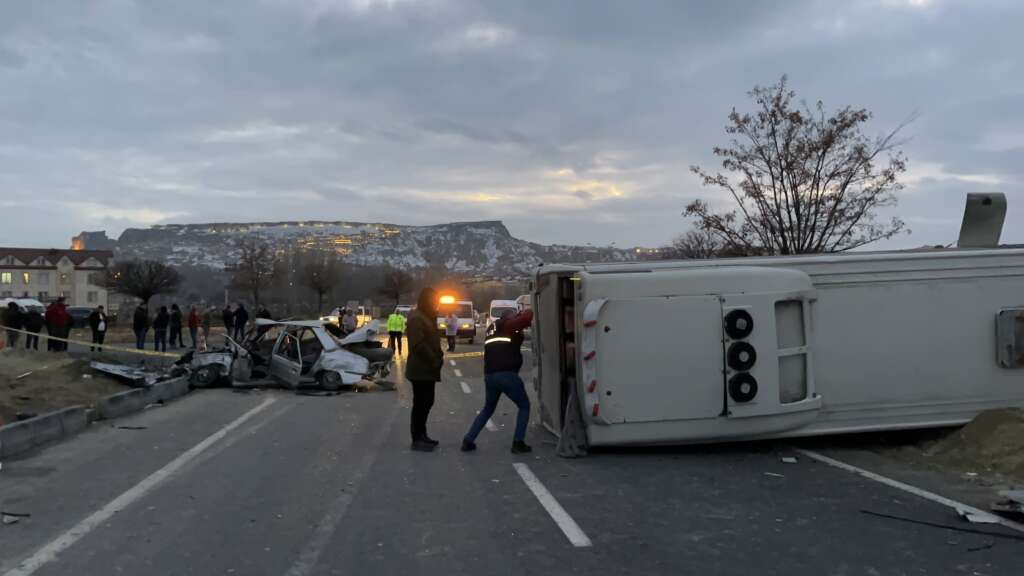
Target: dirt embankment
[(39, 382), (992, 443)]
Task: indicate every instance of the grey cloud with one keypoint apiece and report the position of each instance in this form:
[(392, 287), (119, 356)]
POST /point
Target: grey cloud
[(387, 113)]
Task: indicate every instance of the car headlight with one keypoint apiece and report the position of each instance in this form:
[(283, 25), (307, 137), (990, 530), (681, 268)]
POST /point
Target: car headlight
[(443, 325), (467, 325)]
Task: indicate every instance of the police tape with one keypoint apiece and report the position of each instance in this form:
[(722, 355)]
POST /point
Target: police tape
[(93, 344), (465, 355)]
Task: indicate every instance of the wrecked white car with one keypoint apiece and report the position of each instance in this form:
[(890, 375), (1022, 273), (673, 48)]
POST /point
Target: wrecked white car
[(294, 354)]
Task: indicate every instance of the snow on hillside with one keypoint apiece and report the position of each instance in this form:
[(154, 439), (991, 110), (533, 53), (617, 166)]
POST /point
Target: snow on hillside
[(472, 248)]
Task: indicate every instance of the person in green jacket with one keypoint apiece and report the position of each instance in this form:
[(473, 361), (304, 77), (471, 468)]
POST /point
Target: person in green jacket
[(423, 366), (396, 327)]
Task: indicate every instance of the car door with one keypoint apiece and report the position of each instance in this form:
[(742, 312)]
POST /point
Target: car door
[(286, 361)]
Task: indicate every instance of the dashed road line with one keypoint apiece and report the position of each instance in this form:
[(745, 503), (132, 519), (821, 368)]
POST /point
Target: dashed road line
[(50, 551), (452, 362), (465, 388), (491, 426), (958, 506), (458, 373), (568, 526)]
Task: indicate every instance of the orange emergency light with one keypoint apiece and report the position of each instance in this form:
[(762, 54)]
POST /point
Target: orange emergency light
[(447, 299)]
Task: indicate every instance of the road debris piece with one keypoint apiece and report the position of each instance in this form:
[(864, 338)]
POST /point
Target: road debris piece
[(133, 375), (788, 459), (13, 517), (20, 376), (984, 546), (944, 526), (975, 518), (132, 427), (774, 475)]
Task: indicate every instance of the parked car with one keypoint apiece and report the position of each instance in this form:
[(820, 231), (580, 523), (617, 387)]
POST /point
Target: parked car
[(79, 316)]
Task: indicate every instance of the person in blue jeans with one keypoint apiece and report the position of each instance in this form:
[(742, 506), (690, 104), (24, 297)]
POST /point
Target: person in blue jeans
[(503, 357)]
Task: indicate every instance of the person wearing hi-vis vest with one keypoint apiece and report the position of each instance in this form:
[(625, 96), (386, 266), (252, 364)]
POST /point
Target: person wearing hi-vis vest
[(503, 357), (396, 327)]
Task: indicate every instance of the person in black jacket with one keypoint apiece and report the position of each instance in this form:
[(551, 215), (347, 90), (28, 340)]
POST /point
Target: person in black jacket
[(33, 324), (228, 317), (12, 319), (503, 357), (160, 323), (241, 318), (176, 341), (98, 325), (140, 324)]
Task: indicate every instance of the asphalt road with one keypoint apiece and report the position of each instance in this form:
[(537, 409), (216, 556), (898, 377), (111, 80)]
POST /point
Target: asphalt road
[(279, 484)]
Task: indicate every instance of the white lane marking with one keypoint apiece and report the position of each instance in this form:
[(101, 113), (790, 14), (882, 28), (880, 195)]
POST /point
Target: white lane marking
[(465, 388), (452, 362), (321, 537), (490, 425), (569, 526), (958, 506), (50, 551), (458, 373)]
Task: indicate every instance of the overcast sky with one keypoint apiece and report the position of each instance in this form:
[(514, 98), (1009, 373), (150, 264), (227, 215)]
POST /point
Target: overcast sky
[(572, 122)]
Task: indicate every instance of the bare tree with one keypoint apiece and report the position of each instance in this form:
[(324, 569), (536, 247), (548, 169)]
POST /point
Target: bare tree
[(696, 245), (321, 275), (396, 283), (142, 279), (255, 268), (803, 180)]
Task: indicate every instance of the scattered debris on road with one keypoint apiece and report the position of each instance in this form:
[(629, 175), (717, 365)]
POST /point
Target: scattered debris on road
[(975, 518), (13, 517), (788, 459), (132, 427), (944, 526), (774, 475)]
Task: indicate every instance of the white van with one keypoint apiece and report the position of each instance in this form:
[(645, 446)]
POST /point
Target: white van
[(496, 309), (464, 312)]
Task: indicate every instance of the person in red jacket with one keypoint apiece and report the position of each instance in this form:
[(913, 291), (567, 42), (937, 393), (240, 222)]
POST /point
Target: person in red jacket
[(58, 324), (194, 320)]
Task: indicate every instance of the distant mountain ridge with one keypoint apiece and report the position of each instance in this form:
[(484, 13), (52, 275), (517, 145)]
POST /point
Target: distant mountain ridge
[(477, 249)]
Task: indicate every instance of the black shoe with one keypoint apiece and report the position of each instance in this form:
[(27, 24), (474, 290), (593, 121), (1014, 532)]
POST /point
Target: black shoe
[(422, 446), (429, 440), (519, 447), (468, 446)]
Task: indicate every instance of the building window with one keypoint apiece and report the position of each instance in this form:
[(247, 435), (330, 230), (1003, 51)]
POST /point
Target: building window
[(44, 296), (92, 297), (25, 277), (6, 278), (63, 277)]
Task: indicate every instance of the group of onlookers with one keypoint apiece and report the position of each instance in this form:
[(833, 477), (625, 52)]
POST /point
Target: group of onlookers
[(169, 322), (30, 322)]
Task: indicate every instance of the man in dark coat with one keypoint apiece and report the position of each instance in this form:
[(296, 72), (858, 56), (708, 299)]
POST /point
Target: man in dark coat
[(175, 327), (241, 318), (98, 326), (160, 323), (423, 366), (228, 316), (140, 324), (13, 320), (33, 324)]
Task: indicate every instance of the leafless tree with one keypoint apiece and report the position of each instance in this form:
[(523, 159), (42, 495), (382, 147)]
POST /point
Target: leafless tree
[(696, 244), (321, 275), (142, 279), (803, 180), (255, 268), (396, 283)]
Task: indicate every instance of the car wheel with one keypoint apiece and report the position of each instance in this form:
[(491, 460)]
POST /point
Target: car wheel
[(329, 380), (205, 376)]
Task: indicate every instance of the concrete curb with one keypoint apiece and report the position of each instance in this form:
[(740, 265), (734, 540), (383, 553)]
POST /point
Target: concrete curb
[(18, 437)]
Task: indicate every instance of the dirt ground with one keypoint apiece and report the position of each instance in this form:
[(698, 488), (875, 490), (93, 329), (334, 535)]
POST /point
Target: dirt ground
[(39, 382), (991, 447)]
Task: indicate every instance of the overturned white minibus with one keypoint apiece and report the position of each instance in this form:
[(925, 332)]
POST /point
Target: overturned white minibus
[(714, 350)]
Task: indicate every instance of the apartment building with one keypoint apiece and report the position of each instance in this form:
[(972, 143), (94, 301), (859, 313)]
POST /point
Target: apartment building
[(48, 273)]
